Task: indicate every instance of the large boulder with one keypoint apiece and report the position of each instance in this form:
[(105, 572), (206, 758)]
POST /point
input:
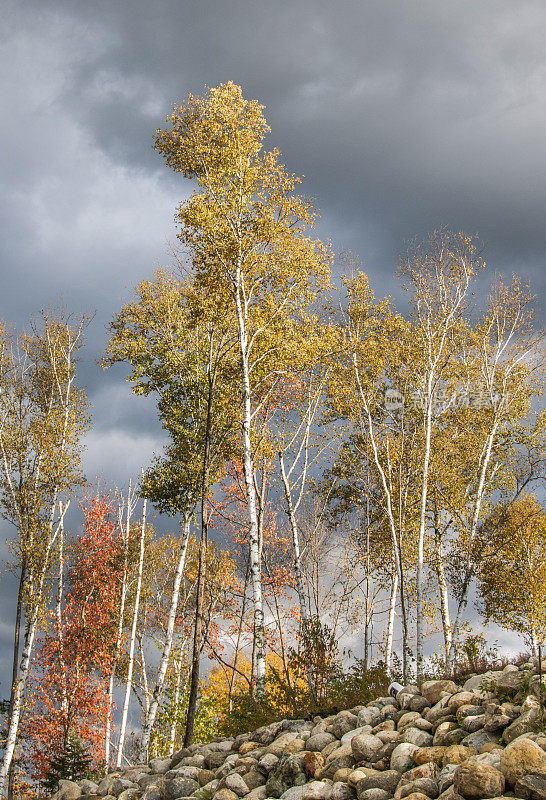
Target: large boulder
[(313, 762), (288, 772), (340, 791), (402, 756), (106, 784), (418, 737), (161, 765), (478, 739), (319, 741), (434, 690), (478, 684), (462, 699), (254, 778), (368, 716), (424, 755), (457, 753), (476, 781), (343, 723), (531, 787), (378, 779), (521, 758), (317, 790), (68, 790), (510, 681), (525, 723), (365, 746), (236, 784), (180, 787)]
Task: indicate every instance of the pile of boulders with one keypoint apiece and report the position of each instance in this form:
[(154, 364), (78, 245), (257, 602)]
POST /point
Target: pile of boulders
[(484, 739)]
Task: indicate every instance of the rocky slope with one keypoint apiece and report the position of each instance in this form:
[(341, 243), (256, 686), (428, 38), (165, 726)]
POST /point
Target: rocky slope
[(484, 739)]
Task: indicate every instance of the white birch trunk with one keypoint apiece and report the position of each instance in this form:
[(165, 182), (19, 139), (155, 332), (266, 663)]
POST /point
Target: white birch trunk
[(119, 633), (444, 597), (390, 623), (29, 637), (248, 470), (419, 633), (58, 615), (470, 567), (389, 507), (167, 647), (172, 734), (131, 659), (298, 574)]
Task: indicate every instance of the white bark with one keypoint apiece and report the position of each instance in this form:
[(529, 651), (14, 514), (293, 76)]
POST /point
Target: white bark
[(176, 699), (58, 615), (470, 566), (132, 639), (167, 647), (298, 574), (248, 470), (31, 625), (388, 504), (444, 597), (119, 632), (422, 526), (390, 623)]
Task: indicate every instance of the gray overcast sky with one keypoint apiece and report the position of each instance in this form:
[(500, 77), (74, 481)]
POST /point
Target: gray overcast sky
[(402, 115)]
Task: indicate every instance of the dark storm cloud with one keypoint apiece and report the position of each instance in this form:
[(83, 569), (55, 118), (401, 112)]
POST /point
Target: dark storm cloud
[(403, 117)]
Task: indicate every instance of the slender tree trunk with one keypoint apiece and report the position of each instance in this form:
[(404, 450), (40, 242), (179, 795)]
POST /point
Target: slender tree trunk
[(15, 664), (119, 633), (202, 569), (17, 701), (390, 623), (176, 700), (248, 470), (238, 640), (444, 597), (59, 618), (198, 630), (396, 544), (470, 567), (298, 572), (167, 647), (534, 642), (131, 656), (422, 530), (145, 687), (31, 624), (367, 612)]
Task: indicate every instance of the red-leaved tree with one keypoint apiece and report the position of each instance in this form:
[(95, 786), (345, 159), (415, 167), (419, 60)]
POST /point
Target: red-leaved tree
[(70, 687)]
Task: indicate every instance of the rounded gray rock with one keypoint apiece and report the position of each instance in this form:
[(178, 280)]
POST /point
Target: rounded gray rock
[(180, 787), (319, 741), (418, 737), (401, 757), (365, 746)]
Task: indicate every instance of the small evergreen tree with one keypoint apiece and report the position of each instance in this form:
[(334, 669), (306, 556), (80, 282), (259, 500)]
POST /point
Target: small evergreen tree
[(73, 763)]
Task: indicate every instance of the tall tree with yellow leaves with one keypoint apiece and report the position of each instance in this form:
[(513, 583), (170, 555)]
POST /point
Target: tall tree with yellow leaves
[(246, 234), (43, 416)]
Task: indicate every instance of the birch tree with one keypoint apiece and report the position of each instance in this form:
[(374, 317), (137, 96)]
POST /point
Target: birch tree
[(180, 346), (42, 418), (438, 274), (372, 346), (245, 233), (132, 638), (505, 361)]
